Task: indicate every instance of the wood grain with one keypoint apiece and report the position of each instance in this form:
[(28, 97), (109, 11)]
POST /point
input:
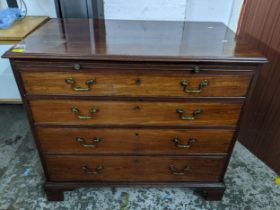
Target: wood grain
[(21, 28), (60, 65), (134, 168), (124, 40), (135, 113), (260, 131), (136, 84), (134, 141), (136, 123)]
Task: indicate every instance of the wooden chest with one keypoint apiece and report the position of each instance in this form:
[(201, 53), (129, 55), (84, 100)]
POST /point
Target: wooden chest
[(117, 103)]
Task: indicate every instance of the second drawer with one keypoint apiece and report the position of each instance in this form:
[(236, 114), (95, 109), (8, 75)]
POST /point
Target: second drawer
[(90, 112), (133, 141)]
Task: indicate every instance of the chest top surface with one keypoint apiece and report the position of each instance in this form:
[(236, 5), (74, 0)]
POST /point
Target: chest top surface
[(135, 40)]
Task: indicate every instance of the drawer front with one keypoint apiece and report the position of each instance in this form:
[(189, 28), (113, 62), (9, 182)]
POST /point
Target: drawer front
[(134, 168), (133, 141), (141, 84), (84, 112)]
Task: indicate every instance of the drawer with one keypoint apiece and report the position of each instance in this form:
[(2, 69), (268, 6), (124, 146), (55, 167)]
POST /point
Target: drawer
[(140, 84), (89, 112), (133, 141), (134, 168)]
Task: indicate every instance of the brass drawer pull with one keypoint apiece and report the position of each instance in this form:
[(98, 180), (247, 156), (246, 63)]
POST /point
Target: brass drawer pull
[(178, 144), (76, 111), (98, 169), (81, 141), (202, 84), (182, 114), (184, 171), (72, 82)]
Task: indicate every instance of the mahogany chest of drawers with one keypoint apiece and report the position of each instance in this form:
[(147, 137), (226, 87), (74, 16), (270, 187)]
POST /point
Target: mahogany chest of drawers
[(117, 103)]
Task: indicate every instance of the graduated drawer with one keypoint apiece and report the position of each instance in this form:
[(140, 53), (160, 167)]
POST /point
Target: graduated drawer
[(133, 141), (136, 84), (90, 112), (134, 168)]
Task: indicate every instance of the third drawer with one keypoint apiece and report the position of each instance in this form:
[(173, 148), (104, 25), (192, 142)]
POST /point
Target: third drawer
[(134, 141)]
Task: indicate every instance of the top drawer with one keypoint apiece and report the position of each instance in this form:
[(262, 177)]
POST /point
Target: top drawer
[(137, 79), (136, 83)]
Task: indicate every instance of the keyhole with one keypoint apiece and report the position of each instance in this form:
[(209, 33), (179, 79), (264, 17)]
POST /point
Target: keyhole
[(137, 108), (136, 134), (138, 82)]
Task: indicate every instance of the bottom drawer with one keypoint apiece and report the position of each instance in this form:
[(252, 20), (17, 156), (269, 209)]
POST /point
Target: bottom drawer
[(134, 168)]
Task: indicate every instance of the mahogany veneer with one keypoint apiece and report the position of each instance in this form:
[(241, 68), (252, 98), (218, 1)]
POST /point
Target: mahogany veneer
[(135, 168), (126, 103), (134, 112), (134, 140), (131, 83)]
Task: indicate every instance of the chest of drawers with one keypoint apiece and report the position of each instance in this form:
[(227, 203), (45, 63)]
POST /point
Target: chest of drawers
[(121, 103)]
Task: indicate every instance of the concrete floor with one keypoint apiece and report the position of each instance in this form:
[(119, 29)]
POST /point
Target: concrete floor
[(249, 182)]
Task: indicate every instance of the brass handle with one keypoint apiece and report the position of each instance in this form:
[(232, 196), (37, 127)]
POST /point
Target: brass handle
[(72, 82), (178, 143), (81, 141), (98, 169), (184, 171), (182, 114), (202, 84), (76, 111)]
